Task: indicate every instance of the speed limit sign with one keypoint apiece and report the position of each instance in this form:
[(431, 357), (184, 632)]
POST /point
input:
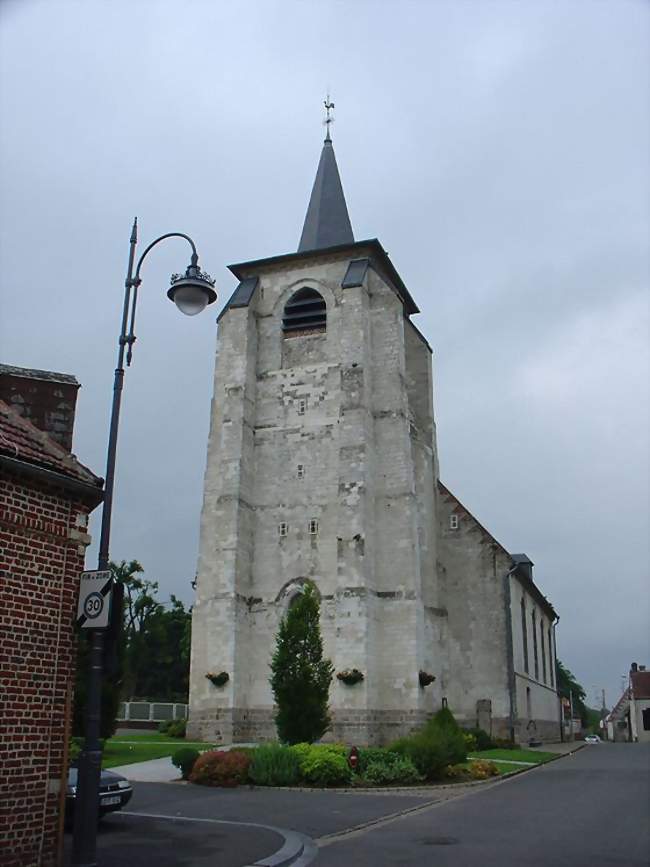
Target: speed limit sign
[(93, 611)]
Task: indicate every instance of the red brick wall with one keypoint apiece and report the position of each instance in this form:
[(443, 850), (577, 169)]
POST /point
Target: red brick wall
[(42, 543)]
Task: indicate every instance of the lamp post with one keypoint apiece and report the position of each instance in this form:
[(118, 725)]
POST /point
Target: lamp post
[(191, 292)]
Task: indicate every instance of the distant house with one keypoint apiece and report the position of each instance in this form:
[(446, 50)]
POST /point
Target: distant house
[(629, 719), (617, 721), (46, 495), (639, 703)]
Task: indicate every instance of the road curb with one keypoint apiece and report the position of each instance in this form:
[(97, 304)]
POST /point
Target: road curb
[(297, 849)]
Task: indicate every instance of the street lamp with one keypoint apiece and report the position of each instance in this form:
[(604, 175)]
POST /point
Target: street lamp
[(191, 292)]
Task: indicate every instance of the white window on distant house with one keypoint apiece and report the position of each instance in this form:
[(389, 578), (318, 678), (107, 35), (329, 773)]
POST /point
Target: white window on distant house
[(283, 528), (300, 471), (302, 406), (313, 527), (453, 522)]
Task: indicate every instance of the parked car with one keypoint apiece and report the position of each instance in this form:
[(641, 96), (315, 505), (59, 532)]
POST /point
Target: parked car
[(114, 793), (592, 739)]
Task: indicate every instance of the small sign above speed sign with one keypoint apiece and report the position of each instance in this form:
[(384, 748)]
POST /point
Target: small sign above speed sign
[(93, 611)]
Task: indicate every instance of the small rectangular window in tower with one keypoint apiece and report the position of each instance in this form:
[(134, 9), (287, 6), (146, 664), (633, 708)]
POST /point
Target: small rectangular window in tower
[(283, 528), (453, 522), (300, 471), (302, 406), (313, 527)]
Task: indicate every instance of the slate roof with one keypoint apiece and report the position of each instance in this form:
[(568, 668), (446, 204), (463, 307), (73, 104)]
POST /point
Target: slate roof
[(327, 222), (21, 442), (33, 373), (640, 681)]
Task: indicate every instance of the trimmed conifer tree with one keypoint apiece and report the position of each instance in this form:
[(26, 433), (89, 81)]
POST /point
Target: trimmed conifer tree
[(300, 677)]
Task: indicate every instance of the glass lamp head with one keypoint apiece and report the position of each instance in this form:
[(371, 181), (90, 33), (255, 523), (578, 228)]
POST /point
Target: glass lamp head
[(193, 291)]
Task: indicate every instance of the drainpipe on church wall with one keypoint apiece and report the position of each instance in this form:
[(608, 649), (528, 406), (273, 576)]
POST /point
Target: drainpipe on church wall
[(512, 685), (557, 690)]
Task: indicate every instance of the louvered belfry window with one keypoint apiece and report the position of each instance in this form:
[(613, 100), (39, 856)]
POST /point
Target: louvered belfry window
[(304, 312)]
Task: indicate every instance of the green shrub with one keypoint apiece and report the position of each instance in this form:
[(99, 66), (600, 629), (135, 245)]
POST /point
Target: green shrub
[(164, 726), (324, 766), (372, 754), (274, 765), (304, 751), (470, 742), (483, 739), (220, 768), (176, 729), (393, 769), (439, 744), (426, 752), (184, 760)]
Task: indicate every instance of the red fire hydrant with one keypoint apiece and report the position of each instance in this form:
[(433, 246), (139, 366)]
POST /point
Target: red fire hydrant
[(353, 758)]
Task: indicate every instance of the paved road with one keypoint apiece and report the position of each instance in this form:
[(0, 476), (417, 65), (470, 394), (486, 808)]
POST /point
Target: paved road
[(586, 810)]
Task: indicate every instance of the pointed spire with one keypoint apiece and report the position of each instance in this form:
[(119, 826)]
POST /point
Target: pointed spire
[(327, 222)]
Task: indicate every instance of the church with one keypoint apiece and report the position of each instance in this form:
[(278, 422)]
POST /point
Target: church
[(322, 467)]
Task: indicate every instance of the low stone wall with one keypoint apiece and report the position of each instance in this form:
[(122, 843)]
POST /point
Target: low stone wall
[(359, 727), (546, 731)]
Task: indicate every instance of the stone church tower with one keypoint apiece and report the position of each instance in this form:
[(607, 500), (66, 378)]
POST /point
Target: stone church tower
[(322, 467)]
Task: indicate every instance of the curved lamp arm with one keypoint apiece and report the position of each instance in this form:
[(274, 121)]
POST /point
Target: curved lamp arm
[(134, 283), (195, 257)]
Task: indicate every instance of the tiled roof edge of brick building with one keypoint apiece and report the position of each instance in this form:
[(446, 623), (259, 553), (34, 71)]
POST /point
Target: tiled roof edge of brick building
[(25, 447), (34, 373)]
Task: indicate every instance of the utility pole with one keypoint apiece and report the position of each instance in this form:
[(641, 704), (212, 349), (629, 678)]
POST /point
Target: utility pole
[(603, 714), (571, 715)]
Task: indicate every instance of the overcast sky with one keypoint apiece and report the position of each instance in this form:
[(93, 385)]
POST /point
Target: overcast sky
[(499, 152)]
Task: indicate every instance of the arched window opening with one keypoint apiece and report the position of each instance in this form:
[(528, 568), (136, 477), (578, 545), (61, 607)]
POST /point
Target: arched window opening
[(304, 313)]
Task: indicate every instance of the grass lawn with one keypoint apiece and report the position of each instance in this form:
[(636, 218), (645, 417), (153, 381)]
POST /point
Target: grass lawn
[(142, 747), (535, 757)]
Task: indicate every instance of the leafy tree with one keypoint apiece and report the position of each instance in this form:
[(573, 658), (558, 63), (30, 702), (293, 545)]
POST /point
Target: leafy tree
[(147, 649), (567, 684), (300, 677)]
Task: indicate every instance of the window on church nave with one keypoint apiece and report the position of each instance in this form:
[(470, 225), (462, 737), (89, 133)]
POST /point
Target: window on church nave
[(524, 633), (535, 652), (283, 528), (304, 313), (313, 527), (453, 522)]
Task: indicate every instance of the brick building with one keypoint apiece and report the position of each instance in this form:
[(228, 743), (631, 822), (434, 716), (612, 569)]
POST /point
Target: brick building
[(46, 495)]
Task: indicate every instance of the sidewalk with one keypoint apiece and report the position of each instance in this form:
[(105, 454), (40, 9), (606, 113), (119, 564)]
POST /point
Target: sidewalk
[(562, 749)]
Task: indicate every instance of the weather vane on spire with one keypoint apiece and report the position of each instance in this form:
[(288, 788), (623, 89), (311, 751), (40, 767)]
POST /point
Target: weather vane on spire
[(328, 116)]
